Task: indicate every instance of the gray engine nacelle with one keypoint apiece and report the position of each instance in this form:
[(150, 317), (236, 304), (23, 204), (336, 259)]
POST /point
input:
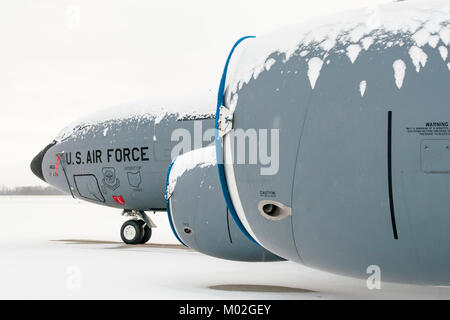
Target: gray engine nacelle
[(198, 213), (357, 108)]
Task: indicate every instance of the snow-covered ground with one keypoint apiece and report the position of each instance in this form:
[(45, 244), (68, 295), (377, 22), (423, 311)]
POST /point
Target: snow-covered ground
[(91, 262)]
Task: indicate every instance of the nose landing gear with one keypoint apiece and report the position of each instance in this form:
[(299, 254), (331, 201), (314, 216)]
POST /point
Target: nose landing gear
[(147, 232), (137, 230)]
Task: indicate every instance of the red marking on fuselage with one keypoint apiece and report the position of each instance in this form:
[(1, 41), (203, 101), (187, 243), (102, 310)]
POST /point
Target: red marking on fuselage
[(119, 200), (56, 167)]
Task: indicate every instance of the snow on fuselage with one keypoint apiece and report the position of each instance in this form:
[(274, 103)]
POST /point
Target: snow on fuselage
[(119, 157)]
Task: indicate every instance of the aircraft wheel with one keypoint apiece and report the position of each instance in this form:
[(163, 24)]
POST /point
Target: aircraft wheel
[(147, 232), (131, 232)]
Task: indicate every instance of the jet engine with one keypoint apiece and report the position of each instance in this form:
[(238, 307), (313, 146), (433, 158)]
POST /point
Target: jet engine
[(335, 139), (198, 213)]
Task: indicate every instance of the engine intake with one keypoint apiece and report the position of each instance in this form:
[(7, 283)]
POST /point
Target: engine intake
[(199, 214)]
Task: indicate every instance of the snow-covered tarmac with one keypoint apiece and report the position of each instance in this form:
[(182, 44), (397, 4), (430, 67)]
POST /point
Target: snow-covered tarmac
[(58, 247)]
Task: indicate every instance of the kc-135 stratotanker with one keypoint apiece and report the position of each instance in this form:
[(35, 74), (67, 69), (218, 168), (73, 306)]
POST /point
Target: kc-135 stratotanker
[(119, 157), (352, 112)]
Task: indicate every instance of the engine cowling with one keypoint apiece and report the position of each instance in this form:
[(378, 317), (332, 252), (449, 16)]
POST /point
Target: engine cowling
[(198, 212), (358, 106)]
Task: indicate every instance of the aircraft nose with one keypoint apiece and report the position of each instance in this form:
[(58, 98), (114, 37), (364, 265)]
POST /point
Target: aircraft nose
[(36, 163)]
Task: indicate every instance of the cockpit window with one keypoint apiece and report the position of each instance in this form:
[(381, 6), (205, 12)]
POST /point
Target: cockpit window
[(88, 188), (70, 130)]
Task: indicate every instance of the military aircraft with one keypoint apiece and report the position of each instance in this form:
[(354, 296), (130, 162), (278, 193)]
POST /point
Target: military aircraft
[(332, 149), (119, 157)]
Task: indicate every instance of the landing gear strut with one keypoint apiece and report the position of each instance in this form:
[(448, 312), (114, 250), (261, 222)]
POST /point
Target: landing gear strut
[(137, 230)]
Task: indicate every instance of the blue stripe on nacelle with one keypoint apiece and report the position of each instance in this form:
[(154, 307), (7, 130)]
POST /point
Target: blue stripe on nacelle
[(223, 182), (168, 207)]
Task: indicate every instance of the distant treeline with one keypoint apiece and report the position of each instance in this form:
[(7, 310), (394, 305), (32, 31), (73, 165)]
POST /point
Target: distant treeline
[(30, 191)]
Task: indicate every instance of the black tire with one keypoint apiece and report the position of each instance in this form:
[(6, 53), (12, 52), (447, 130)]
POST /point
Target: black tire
[(138, 232), (147, 232)]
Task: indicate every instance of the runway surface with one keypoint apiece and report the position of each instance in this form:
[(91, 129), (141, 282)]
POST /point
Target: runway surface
[(58, 247)]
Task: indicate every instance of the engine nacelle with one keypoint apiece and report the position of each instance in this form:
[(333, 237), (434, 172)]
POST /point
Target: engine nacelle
[(198, 213), (356, 108)]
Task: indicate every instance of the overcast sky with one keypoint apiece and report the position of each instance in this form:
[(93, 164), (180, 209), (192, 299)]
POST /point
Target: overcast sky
[(60, 60)]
